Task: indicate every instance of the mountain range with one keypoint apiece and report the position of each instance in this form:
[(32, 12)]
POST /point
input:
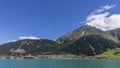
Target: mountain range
[(86, 40)]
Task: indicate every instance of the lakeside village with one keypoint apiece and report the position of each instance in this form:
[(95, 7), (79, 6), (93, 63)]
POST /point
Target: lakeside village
[(60, 56), (21, 54)]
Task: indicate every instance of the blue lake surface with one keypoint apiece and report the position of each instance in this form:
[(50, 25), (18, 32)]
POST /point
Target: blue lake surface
[(60, 63)]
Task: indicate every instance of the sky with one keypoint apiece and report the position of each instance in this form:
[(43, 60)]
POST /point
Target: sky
[(50, 19)]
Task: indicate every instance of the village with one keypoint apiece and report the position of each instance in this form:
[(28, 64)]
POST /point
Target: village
[(60, 56)]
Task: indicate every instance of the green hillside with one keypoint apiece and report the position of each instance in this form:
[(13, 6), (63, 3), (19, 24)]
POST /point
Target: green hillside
[(90, 45), (109, 54)]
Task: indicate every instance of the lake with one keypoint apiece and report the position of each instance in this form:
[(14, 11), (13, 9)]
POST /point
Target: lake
[(60, 63)]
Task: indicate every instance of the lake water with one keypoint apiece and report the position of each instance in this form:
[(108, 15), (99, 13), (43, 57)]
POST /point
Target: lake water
[(59, 63)]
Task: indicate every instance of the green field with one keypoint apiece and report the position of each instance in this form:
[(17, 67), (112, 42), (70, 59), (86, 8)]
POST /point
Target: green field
[(110, 54)]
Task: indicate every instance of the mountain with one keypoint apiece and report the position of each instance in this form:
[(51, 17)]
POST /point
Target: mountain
[(90, 45), (76, 34), (84, 31), (115, 33), (89, 40), (86, 40), (30, 46)]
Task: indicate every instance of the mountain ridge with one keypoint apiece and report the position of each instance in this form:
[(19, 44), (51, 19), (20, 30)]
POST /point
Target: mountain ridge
[(85, 40)]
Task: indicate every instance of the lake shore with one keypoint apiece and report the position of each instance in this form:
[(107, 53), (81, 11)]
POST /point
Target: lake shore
[(60, 56)]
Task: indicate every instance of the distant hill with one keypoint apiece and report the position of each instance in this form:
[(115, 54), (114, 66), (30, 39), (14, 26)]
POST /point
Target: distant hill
[(30, 46)]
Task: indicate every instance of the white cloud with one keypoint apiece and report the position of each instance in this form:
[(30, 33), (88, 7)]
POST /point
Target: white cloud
[(107, 7), (104, 21), (7, 41), (28, 37), (104, 8), (21, 38)]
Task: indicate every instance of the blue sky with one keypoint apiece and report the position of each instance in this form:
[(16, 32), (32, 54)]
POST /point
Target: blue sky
[(47, 19)]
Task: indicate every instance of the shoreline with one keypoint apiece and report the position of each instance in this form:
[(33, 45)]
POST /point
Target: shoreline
[(48, 57)]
